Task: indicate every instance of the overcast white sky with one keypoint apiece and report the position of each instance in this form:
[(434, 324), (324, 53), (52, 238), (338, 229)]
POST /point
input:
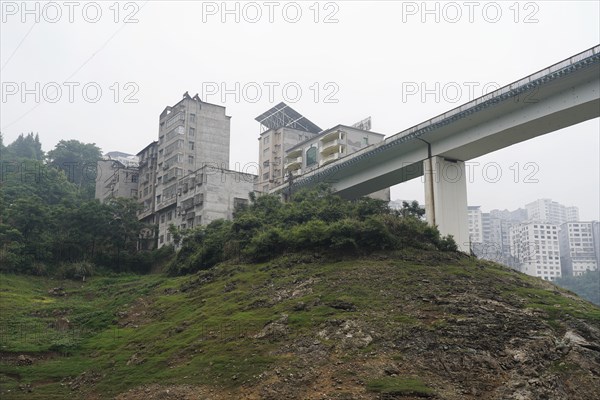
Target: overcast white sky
[(350, 60)]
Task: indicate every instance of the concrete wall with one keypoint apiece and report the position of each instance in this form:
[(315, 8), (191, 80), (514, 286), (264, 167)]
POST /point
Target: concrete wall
[(113, 179), (202, 131), (204, 196)]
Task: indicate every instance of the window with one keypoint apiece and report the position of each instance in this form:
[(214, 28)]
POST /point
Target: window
[(169, 216), (239, 203), (191, 145), (266, 140), (161, 239), (311, 156), (193, 118), (266, 176), (192, 132), (191, 160), (134, 193), (134, 178), (366, 141), (162, 218)]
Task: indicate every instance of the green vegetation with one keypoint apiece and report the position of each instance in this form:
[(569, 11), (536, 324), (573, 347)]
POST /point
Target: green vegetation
[(225, 326), (49, 222), (586, 285), (400, 387), (314, 220)]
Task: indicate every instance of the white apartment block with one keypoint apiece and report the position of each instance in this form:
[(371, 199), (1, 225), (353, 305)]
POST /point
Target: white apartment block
[(536, 248), (546, 210), (577, 248), (475, 224)]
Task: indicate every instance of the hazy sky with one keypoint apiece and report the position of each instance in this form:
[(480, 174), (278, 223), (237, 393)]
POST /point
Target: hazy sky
[(102, 72)]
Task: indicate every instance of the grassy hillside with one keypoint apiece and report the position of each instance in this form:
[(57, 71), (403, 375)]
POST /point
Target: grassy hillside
[(401, 324)]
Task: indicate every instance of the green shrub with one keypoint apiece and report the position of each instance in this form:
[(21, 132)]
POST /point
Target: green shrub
[(76, 271), (311, 220)]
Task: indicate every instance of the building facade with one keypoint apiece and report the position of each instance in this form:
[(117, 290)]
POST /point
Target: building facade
[(205, 195), (577, 251), (116, 179), (327, 147), (272, 148), (535, 246), (546, 210), (475, 224)]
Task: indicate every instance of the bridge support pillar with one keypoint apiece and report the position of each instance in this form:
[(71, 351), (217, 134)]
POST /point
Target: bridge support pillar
[(446, 198)]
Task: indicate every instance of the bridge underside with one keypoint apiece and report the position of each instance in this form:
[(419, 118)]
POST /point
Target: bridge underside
[(560, 96)]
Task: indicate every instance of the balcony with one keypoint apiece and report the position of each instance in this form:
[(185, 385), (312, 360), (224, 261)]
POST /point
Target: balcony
[(332, 136), (294, 153), (333, 146), (175, 132), (293, 163), (330, 158)]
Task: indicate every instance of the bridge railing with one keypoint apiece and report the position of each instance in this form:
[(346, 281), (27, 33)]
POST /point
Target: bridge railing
[(501, 91)]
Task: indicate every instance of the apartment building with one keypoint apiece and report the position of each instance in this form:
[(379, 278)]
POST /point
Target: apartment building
[(535, 246), (550, 211), (475, 224), (148, 168), (577, 253), (191, 134), (283, 128), (116, 178), (327, 147), (292, 145), (203, 196)]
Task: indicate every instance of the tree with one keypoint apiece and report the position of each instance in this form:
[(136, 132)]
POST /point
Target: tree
[(78, 161), (2, 147), (28, 147), (413, 209)]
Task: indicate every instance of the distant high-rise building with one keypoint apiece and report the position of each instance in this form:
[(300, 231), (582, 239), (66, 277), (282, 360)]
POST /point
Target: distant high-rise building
[(536, 248), (546, 210), (577, 248), (596, 240), (475, 224)]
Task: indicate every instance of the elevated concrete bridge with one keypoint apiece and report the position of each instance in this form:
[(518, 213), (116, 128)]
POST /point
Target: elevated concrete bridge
[(556, 97)]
